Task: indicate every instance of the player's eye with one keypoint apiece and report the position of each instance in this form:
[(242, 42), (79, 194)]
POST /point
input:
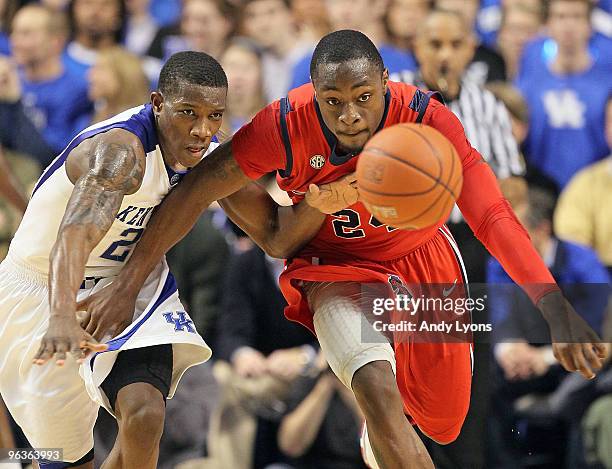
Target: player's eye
[(216, 116), (188, 112), (364, 97), (332, 101)]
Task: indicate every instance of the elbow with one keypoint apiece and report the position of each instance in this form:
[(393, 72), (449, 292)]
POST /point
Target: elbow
[(278, 249)]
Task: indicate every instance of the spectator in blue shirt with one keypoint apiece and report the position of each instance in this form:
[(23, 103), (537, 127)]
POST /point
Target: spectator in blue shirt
[(54, 98), (95, 25), (366, 16), (567, 95)]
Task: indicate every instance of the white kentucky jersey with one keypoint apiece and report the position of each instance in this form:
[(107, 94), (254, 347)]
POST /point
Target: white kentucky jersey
[(38, 230)]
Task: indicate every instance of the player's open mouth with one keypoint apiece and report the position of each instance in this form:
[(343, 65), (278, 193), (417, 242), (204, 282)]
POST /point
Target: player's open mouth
[(196, 150)]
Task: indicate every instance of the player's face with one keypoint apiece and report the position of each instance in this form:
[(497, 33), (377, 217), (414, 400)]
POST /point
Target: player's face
[(187, 121), (351, 97)]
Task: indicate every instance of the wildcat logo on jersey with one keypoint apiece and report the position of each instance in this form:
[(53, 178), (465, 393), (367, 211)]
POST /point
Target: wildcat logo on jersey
[(317, 161), (134, 216), (564, 109), (181, 322)]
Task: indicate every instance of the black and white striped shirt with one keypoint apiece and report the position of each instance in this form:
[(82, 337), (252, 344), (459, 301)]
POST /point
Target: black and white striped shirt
[(486, 122)]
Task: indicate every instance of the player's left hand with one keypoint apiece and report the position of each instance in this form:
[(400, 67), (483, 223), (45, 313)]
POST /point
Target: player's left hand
[(575, 345), (334, 196), (109, 311)]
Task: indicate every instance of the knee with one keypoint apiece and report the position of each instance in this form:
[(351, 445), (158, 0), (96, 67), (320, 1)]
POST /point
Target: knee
[(141, 414), (375, 387)]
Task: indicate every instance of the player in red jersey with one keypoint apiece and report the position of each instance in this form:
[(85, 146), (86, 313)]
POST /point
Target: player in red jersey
[(312, 137)]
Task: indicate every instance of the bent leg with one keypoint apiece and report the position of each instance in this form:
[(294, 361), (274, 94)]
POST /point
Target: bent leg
[(137, 388), (368, 369)]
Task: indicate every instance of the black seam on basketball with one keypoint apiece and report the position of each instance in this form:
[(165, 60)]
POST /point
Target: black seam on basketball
[(396, 158), (434, 150), (425, 210)]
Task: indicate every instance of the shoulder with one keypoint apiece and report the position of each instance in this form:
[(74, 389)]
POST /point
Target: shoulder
[(114, 154)]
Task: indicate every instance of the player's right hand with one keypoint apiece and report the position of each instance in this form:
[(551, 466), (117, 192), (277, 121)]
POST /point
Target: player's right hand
[(334, 196), (109, 310), (64, 335), (575, 345)]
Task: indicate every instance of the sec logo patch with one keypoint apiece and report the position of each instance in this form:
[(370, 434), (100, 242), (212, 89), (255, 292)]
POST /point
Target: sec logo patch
[(317, 161)]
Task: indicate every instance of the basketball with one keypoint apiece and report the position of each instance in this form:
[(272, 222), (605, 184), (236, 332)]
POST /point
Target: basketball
[(409, 176)]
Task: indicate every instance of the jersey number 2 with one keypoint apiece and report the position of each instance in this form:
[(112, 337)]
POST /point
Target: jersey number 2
[(114, 253), (348, 222)]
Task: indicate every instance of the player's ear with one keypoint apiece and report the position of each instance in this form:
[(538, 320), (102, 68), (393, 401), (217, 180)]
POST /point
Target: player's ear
[(157, 101), (385, 78)]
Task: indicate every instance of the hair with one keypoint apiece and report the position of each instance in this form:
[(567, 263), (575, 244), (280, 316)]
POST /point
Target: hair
[(343, 46), (541, 207), (512, 99), (133, 83), (548, 3), (194, 68)]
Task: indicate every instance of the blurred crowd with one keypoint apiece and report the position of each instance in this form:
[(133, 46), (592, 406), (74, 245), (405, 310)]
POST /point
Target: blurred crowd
[(531, 81)]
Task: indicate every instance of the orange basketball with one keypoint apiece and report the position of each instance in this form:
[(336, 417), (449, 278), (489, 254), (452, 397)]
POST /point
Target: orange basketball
[(409, 176)]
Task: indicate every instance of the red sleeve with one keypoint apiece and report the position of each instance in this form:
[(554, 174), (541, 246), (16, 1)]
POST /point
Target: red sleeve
[(489, 214), (257, 146)]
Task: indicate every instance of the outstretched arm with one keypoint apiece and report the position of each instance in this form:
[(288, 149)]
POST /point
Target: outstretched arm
[(103, 171), (489, 215)]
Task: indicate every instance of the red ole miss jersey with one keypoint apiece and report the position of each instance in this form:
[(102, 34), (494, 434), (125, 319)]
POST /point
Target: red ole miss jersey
[(301, 148), (290, 137)]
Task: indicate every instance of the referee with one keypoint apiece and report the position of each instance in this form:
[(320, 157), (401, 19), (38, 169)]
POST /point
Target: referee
[(444, 46)]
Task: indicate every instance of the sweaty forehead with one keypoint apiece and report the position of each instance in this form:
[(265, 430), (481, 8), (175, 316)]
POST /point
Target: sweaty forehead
[(346, 75), (187, 93)]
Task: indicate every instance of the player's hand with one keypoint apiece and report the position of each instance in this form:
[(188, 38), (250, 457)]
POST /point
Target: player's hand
[(109, 311), (334, 196), (64, 335), (575, 345), (10, 87)]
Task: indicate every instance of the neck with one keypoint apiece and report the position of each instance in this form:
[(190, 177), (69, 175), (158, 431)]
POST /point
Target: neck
[(243, 107), (284, 46), (572, 61), (44, 69)]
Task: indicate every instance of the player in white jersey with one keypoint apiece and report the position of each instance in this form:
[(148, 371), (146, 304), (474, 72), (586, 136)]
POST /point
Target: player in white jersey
[(87, 212)]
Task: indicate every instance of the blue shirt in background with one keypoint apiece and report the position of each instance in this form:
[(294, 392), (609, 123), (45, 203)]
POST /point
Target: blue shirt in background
[(581, 276), (166, 12), (5, 45), (59, 108), (395, 60), (567, 114)]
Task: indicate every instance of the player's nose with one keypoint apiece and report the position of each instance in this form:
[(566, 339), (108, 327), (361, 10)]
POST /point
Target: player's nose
[(350, 115), (201, 130)]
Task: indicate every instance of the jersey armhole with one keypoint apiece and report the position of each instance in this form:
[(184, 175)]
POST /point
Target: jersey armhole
[(285, 108), (420, 102)]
